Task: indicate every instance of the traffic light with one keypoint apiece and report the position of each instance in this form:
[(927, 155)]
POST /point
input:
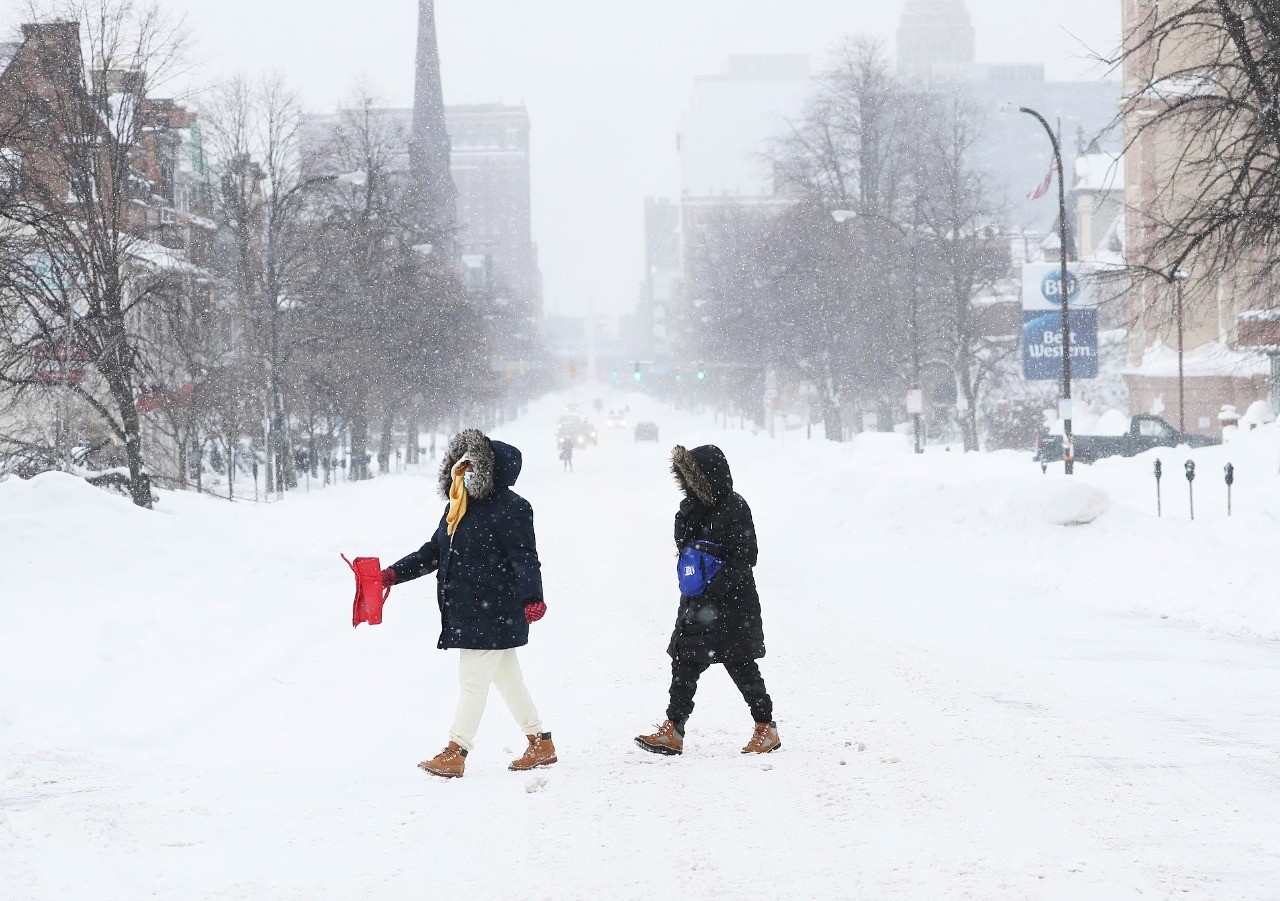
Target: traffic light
[(615, 373), (702, 371), (637, 375), (679, 375)]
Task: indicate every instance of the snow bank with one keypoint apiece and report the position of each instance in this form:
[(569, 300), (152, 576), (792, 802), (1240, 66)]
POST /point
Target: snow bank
[(193, 716), (1058, 502), (875, 445)]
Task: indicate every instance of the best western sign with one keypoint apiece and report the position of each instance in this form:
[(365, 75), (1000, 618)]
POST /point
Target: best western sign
[(1042, 322)]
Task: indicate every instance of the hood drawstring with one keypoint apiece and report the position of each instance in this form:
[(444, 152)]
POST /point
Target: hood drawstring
[(457, 499)]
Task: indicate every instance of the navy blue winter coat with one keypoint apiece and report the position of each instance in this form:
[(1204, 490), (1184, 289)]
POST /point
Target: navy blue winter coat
[(488, 570)]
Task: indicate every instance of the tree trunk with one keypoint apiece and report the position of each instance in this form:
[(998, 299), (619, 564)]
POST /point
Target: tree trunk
[(412, 452), (180, 439), (131, 426), (832, 420), (385, 440), (359, 469)]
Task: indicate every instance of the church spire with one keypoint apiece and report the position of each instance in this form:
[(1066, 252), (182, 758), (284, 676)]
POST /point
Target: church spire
[(430, 149)]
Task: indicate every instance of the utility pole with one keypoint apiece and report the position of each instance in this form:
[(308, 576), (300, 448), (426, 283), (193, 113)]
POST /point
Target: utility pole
[(1179, 278)]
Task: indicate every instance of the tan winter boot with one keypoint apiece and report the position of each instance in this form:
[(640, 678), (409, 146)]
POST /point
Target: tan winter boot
[(764, 740), (541, 752), (667, 740), (448, 764)]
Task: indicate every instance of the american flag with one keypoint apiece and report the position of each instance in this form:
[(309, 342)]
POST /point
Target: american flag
[(1043, 188)]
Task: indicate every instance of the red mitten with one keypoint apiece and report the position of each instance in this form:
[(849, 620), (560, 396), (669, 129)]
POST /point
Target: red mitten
[(388, 577), (534, 611)]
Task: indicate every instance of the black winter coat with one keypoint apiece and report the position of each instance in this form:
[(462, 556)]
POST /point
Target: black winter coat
[(488, 570), (723, 622)]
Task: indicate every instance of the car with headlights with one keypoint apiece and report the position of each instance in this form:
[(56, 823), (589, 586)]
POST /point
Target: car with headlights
[(646, 431)]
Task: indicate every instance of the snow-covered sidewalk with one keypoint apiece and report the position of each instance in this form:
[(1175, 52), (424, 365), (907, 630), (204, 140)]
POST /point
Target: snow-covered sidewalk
[(974, 702)]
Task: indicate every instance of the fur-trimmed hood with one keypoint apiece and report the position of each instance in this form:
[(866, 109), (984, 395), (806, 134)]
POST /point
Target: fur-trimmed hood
[(702, 473), (496, 464)]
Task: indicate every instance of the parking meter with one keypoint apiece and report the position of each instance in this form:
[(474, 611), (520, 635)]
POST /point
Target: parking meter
[(1191, 491)]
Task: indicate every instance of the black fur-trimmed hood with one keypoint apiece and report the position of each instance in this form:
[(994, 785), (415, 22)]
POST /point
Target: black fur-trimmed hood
[(702, 473), (496, 464)]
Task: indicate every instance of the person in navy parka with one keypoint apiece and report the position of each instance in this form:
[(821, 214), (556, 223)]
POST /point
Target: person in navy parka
[(489, 590)]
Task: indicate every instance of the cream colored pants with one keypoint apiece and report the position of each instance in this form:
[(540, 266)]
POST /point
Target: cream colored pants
[(477, 670)]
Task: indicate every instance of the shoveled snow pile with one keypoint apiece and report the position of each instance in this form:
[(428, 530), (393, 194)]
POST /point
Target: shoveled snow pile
[(1059, 502)]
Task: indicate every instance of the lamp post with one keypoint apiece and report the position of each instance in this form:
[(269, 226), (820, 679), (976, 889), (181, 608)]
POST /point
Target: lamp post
[(843, 216), (277, 210), (1068, 453), (1179, 278)]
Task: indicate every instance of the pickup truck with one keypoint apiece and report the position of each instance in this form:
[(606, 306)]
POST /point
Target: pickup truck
[(1145, 433)]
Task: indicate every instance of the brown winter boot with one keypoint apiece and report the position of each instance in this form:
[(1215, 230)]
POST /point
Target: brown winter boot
[(667, 740), (764, 740), (541, 752), (448, 764)]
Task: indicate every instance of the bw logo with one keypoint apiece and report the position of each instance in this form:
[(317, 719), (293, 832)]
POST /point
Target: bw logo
[(688, 571)]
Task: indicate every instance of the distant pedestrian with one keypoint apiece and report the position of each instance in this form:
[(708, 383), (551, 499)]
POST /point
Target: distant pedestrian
[(566, 454), (489, 589), (719, 618)]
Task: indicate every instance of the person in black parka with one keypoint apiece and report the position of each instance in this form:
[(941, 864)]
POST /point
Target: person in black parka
[(722, 624), (488, 588)]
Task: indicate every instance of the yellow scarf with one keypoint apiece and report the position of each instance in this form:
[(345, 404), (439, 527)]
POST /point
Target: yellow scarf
[(457, 502)]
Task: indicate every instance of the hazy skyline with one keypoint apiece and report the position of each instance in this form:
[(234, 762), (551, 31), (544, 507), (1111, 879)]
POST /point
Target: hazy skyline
[(605, 90)]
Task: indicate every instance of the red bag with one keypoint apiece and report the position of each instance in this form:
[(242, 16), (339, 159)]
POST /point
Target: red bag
[(371, 594)]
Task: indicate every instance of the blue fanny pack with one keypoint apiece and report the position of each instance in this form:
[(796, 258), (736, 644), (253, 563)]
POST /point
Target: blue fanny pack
[(697, 566)]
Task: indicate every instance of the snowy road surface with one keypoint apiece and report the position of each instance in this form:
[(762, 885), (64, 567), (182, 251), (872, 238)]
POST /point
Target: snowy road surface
[(973, 703)]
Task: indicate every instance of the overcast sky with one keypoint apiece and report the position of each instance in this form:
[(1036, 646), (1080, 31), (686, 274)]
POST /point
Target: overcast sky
[(605, 83)]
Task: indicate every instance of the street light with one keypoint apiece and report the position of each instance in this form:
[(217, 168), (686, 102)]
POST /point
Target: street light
[(1180, 277), (914, 404), (1068, 452)]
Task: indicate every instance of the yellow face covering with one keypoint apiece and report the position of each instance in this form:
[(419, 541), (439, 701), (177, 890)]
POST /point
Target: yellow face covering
[(457, 501)]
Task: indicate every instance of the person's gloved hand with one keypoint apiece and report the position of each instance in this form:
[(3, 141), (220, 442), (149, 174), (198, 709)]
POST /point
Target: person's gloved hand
[(534, 611), (388, 577)]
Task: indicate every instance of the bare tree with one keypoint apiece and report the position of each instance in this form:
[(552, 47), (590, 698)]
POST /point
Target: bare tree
[(961, 251), (1203, 107), (87, 276)]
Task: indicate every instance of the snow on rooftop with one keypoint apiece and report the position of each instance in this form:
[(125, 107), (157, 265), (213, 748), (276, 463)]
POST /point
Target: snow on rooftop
[(1100, 171), (1208, 360)]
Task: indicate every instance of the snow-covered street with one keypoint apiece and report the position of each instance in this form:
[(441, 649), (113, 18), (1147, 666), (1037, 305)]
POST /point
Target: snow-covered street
[(974, 702)]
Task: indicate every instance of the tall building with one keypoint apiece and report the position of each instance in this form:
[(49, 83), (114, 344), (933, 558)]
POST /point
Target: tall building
[(491, 168), (733, 117), (470, 166), (429, 152), (1227, 331), (660, 292), (726, 179), (935, 42)]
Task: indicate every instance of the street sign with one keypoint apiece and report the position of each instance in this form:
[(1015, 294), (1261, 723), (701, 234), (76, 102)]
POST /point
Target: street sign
[(915, 402), (1042, 322), (1042, 345)]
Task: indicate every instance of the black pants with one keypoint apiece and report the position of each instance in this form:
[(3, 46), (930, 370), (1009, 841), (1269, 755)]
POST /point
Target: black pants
[(685, 672)]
